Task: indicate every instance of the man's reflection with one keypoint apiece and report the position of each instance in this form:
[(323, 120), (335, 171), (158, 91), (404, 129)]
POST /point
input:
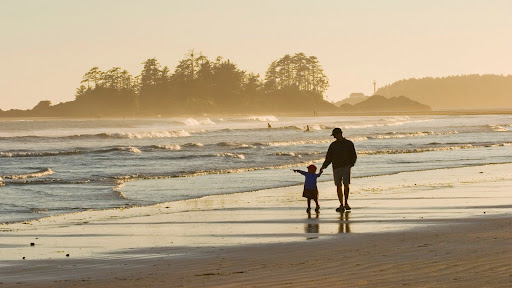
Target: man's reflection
[(344, 222), (312, 227)]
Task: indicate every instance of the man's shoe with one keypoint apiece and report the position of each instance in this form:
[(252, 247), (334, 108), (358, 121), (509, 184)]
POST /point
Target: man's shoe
[(347, 208), (340, 209)]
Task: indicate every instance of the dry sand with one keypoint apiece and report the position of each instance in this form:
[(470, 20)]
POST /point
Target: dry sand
[(447, 228)]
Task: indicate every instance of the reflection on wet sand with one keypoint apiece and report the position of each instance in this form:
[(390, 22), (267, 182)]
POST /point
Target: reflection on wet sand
[(312, 227), (312, 224), (344, 222)]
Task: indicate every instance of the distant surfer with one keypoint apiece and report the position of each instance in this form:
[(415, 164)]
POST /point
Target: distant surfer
[(307, 128), (268, 125), (342, 155)]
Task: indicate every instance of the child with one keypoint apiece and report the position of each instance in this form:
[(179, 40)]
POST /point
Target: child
[(310, 189)]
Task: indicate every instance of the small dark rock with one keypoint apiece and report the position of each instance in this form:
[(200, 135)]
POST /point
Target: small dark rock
[(67, 255), (23, 257), (32, 244)]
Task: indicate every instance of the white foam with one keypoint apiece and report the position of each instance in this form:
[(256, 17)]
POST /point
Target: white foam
[(317, 127), (413, 134), (236, 145), (194, 122), (396, 118), (232, 155), (394, 122), (130, 149), (360, 138), (265, 118), (193, 144), (497, 128), (291, 154), (292, 143), (173, 147), (39, 173), (420, 150), (38, 154), (153, 134)]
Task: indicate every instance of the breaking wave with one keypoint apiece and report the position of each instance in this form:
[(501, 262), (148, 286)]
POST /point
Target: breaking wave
[(39, 153), (293, 143), (265, 118), (128, 149), (194, 122), (232, 155), (126, 178), (303, 142), (196, 144), (297, 154), (141, 135), (430, 149), (392, 135), (115, 135), (173, 147), (235, 145), (387, 122), (39, 173), (497, 128)]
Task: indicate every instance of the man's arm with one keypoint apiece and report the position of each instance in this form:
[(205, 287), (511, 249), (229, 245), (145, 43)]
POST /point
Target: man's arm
[(328, 159), (354, 154)]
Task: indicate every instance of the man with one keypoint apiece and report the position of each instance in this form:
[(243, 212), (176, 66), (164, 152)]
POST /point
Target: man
[(342, 155)]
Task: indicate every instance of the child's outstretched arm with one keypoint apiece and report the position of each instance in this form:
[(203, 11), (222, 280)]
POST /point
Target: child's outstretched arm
[(299, 171)]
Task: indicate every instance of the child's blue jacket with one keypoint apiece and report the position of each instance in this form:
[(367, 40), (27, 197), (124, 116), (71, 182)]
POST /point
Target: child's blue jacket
[(310, 182)]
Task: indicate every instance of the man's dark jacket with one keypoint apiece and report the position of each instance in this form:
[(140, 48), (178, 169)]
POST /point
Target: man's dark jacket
[(341, 153)]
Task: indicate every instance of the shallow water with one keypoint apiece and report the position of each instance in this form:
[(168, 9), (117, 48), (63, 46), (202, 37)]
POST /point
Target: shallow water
[(409, 200), (51, 167)]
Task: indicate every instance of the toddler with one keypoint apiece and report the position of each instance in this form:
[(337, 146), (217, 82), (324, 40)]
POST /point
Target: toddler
[(310, 188)]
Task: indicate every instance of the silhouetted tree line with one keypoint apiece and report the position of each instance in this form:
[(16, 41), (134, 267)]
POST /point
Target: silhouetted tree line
[(456, 92), (294, 83)]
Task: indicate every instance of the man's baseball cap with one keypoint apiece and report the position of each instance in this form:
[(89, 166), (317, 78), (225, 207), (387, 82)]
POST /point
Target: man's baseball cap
[(336, 131)]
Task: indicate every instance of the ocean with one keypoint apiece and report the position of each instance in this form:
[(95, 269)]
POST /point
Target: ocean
[(51, 167)]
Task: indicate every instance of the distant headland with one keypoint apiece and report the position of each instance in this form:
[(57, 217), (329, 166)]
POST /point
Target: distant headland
[(477, 92)]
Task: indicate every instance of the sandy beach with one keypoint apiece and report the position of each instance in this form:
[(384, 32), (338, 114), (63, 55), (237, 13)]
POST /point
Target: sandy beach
[(447, 227)]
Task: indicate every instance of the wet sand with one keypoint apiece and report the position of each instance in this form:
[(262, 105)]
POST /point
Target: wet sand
[(448, 227)]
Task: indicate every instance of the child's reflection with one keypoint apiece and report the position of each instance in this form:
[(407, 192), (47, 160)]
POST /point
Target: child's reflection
[(312, 227)]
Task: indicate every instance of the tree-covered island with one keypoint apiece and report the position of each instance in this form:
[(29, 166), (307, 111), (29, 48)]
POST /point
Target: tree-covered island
[(294, 83)]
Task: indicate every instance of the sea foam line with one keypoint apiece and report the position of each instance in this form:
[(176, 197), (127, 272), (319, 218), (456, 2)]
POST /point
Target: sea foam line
[(115, 135), (40, 173), (211, 172), (421, 150)]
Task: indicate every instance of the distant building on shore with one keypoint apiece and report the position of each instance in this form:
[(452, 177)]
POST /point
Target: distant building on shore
[(356, 96), (352, 99)]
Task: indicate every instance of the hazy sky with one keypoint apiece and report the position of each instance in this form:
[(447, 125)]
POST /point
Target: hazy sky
[(47, 46)]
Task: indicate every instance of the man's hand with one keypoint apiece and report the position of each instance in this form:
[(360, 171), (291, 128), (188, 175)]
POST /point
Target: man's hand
[(321, 170)]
